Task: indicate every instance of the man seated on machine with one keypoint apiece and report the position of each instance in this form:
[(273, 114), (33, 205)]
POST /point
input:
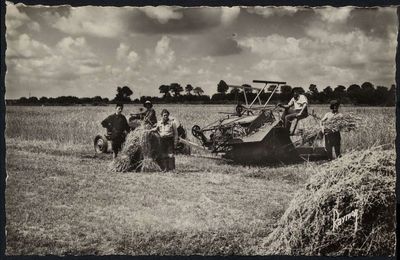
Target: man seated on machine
[(296, 108)]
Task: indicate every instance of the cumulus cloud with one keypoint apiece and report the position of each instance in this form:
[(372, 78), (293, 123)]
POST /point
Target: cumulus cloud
[(162, 13), (125, 54), (95, 21), (341, 58), (164, 56), (225, 47), (25, 47), (34, 26), (274, 46), (199, 46), (14, 19), (70, 59), (269, 11), (334, 14), (122, 51), (133, 58), (182, 71), (190, 20), (229, 14)]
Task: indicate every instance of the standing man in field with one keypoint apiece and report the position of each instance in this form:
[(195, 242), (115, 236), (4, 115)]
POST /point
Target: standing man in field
[(332, 136), (118, 126), (169, 140), (296, 108), (149, 116)]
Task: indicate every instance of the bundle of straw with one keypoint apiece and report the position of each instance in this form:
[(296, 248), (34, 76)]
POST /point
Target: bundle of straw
[(342, 122), (139, 152), (131, 154), (362, 182), (310, 133), (150, 142)]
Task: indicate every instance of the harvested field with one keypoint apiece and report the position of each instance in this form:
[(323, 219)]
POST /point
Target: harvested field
[(61, 199), (360, 185)]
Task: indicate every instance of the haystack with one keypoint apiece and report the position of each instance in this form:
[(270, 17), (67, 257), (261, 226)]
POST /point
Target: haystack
[(140, 152), (359, 184)]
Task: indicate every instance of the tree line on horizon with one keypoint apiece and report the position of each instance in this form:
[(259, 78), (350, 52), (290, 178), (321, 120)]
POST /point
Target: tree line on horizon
[(364, 94)]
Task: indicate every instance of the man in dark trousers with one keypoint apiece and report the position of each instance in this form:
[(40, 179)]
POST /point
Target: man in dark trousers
[(169, 139), (332, 137), (117, 125)]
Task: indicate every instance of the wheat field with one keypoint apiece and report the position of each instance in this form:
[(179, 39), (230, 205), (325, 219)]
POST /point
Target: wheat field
[(62, 200)]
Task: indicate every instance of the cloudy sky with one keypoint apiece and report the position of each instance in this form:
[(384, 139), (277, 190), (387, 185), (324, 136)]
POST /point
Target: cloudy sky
[(89, 51)]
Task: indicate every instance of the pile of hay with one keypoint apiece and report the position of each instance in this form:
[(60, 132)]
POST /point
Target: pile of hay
[(361, 181), (140, 152)]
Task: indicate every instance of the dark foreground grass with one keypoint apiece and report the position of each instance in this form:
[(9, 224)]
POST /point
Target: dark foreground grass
[(62, 200)]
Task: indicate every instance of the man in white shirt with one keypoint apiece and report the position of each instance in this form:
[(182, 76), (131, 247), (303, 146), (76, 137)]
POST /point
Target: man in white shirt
[(168, 132), (332, 136), (296, 108)]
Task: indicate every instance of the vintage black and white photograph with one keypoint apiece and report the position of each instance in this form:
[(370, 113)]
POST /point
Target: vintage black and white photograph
[(171, 130)]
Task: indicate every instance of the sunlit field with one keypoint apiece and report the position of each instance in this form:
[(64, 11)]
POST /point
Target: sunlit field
[(61, 199), (78, 125)]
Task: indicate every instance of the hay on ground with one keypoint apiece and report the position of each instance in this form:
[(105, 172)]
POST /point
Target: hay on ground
[(361, 182)]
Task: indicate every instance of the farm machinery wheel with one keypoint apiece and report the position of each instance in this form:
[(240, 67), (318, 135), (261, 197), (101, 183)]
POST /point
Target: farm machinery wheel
[(196, 131), (100, 144)]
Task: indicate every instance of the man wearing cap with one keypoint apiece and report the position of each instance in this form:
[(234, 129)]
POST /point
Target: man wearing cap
[(169, 140), (149, 116), (118, 127), (332, 137), (299, 103)]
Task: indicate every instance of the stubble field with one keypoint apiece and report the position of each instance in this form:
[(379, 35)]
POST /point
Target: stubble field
[(61, 199)]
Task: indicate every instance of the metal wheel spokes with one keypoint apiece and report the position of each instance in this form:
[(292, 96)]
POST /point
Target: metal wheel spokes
[(196, 131)]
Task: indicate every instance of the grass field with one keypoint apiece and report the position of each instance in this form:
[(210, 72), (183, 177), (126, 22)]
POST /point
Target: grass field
[(61, 199)]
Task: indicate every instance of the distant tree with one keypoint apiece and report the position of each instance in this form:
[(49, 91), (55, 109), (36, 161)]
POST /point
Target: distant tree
[(145, 98), (313, 89), (189, 89), (235, 91), (247, 88), (164, 89), (97, 99), (222, 87), (176, 89), (23, 100), (33, 100), (391, 97), (286, 93), (314, 94), (328, 94), (367, 93), (123, 94), (300, 90), (353, 92), (198, 91), (43, 100), (271, 88), (339, 92), (381, 95), (85, 100)]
